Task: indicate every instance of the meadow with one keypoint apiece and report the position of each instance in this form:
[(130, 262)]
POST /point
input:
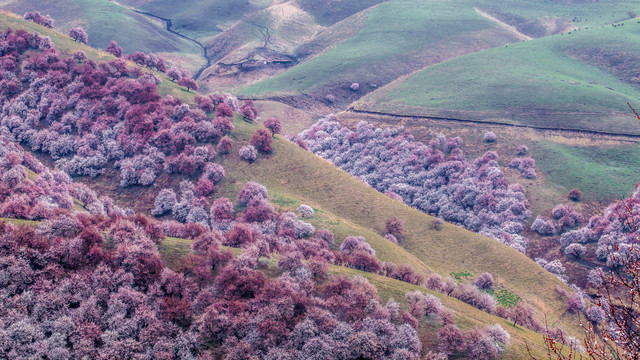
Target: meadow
[(536, 84)]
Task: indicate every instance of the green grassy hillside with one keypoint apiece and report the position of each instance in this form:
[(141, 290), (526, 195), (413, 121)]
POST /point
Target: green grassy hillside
[(402, 36), (397, 37), (540, 83), (105, 21), (200, 18)]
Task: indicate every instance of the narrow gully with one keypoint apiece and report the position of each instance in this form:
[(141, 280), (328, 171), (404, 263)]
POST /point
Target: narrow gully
[(169, 25)]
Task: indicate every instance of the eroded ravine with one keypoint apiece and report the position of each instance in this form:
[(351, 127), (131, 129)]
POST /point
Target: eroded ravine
[(169, 27)]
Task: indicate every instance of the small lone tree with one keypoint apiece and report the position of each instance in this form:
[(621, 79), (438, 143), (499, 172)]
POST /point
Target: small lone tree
[(78, 34), (224, 110), (225, 145), (484, 281), (575, 195), (248, 153), (189, 83), (305, 210), (262, 141), (394, 226), (490, 137), (248, 110), (274, 125), (114, 49)]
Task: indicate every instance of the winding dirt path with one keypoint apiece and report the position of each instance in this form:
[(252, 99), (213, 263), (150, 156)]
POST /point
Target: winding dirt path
[(633, 137), (506, 26)]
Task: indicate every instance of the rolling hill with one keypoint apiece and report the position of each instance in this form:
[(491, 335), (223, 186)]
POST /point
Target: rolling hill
[(417, 41), (557, 82)]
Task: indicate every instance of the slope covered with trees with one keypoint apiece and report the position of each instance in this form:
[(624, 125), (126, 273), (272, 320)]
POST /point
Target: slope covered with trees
[(92, 283), (286, 171), (436, 179), (106, 21)]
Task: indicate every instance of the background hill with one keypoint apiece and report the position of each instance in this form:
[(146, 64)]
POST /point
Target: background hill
[(580, 80)]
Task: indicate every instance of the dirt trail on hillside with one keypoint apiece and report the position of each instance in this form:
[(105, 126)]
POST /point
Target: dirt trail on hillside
[(508, 27), (622, 136)]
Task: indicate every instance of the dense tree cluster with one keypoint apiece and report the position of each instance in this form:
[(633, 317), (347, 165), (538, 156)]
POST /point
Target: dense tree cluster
[(434, 178), (93, 285), (151, 61), (30, 191), (614, 233), (87, 280), (88, 116), (36, 17)]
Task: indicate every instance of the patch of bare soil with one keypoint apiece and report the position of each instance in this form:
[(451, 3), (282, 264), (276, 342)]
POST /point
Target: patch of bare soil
[(533, 28)]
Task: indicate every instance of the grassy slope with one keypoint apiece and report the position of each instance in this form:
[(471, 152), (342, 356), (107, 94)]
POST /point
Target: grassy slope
[(606, 174), (350, 207), (200, 18), (533, 78), (105, 21), (329, 14), (396, 33), (414, 33), (588, 13)]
